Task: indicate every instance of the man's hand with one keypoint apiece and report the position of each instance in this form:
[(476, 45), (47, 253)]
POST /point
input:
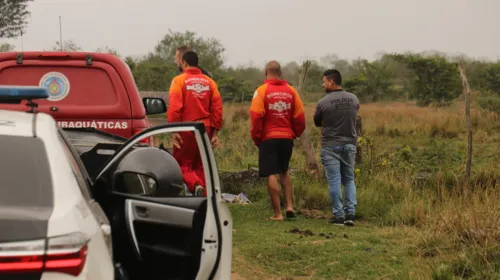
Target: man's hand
[(177, 139), (215, 141), (215, 138)]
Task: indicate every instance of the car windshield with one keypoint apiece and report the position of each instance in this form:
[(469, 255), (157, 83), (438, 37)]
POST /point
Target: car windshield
[(25, 173)]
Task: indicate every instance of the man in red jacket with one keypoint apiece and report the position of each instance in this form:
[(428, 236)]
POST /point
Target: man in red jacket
[(277, 115), (194, 96), (179, 52)]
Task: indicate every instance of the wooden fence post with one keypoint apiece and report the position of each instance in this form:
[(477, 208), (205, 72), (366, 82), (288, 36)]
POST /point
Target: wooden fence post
[(359, 132), (307, 147), (468, 165)]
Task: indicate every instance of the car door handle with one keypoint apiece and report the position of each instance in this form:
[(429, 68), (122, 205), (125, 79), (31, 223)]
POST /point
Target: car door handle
[(142, 211), (106, 229)]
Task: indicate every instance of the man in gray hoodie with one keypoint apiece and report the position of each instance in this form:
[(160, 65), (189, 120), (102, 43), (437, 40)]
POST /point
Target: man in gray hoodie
[(336, 113)]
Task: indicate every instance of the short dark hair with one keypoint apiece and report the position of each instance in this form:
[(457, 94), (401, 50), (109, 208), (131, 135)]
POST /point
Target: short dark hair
[(334, 75), (191, 58)]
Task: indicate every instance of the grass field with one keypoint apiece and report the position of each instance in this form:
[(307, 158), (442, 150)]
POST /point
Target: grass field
[(313, 249), (414, 220)]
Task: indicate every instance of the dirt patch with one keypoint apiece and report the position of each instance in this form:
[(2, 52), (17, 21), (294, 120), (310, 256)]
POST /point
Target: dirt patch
[(236, 276), (318, 242), (307, 232), (315, 214)]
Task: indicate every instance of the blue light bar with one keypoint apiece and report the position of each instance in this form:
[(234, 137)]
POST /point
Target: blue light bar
[(18, 93)]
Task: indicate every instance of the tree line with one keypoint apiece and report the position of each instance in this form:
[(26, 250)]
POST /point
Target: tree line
[(429, 78)]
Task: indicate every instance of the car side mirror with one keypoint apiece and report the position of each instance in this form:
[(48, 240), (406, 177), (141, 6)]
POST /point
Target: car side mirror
[(154, 105), (148, 171)]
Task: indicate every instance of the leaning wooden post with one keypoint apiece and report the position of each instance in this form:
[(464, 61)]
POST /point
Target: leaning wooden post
[(359, 132), (466, 87), (307, 147)]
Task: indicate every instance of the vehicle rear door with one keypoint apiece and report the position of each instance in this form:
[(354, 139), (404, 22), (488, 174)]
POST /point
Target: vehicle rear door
[(177, 237), (85, 90)]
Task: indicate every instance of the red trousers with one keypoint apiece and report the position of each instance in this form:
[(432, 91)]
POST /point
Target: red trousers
[(189, 158)]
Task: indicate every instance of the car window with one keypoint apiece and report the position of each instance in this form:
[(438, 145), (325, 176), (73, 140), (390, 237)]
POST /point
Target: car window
[(137, 184), (80, 177), (25, 172)]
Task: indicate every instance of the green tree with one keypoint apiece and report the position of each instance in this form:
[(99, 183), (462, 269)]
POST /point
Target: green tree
[(435, 80), (372, 81), (107, 49), (401, 75), (235, 89), (67, 46), (314, 77), (291, 71), (332, 61), (252, 76), (7, 48), (489, 102), (13, 17), (152, 73), (488, 77), (131, 62), (210, 50), (485, 77)]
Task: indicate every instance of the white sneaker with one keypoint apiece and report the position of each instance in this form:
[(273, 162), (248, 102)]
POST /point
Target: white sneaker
[(185, 191), (199, 190)]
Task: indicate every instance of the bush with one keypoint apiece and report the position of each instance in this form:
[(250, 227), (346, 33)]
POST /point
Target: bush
[(436, 81), (490, 102)]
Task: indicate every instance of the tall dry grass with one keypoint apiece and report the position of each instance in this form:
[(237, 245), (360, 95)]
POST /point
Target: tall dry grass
[(413, 165)]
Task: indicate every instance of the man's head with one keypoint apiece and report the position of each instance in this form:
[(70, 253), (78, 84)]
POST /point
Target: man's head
[(189, 59), (332, 80), (179, 52), (273, 69)]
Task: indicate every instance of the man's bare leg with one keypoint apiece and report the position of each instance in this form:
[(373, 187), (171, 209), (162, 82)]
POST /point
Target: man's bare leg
[(286, 183), (274, 193)]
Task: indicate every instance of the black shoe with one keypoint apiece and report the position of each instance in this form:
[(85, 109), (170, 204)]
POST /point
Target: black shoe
[(337, 221), (290, 215), (349, 221)]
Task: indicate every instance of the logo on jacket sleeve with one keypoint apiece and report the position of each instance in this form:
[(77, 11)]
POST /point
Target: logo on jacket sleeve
[(57, 84)]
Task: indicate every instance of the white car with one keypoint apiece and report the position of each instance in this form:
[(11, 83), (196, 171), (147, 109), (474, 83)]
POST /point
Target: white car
[(126, 221)]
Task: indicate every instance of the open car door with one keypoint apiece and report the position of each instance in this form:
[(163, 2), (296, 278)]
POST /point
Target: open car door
[(160, 230)]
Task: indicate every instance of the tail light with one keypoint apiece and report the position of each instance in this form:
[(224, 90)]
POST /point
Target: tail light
[(64, 254), (145, 140)]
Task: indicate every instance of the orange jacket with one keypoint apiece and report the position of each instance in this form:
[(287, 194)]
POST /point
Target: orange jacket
[(194, 96), (276, 112)]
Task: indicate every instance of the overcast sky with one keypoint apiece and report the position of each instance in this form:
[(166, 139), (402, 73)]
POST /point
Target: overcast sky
[(260, 30)]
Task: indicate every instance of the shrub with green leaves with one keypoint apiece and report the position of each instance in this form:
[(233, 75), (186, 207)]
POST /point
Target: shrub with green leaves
[(436, 81)]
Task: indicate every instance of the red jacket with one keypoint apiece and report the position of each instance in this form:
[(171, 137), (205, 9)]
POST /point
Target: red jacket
[(194, 96), (276, 112)]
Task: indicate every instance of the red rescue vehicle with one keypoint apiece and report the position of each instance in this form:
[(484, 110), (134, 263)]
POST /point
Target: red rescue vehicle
[(94, 90)]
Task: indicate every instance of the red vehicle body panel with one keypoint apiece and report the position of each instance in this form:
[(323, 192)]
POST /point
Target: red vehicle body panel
[(101, 94)]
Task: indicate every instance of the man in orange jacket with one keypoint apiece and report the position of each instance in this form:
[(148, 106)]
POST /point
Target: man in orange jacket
[(194, 96), (277, 115)]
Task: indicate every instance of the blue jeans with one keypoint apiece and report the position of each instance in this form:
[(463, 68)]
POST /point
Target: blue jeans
[(337, 173)]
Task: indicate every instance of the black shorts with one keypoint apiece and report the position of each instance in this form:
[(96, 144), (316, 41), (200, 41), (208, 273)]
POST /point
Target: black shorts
[(274, 156)]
